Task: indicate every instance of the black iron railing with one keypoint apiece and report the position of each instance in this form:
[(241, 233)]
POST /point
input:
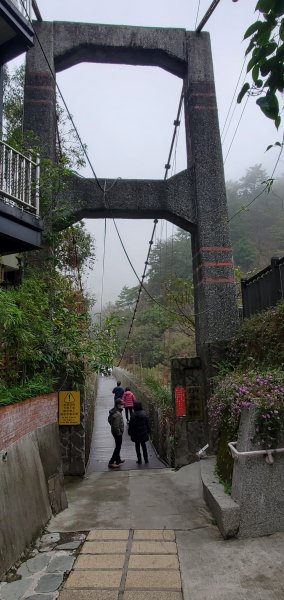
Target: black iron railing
[(264, 289)]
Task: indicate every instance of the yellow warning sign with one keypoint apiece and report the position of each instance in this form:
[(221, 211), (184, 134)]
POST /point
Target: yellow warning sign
[(69, 408)]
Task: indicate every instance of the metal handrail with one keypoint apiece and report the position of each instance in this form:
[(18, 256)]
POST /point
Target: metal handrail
[(268, 452), (19, 178)]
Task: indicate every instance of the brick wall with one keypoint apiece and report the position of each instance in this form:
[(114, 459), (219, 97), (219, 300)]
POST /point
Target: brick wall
[(17, 420)]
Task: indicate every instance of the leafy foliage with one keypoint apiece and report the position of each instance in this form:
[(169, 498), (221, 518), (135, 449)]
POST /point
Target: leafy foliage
[(266, 50), (36, 386), (252, 376), (48, 330), (162, 394), (260, 340)]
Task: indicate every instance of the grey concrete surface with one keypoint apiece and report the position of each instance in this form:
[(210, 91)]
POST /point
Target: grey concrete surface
[(224, 509), (214, 569), (258, 487), (135, 499)]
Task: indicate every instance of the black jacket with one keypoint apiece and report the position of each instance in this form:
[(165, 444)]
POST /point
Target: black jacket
[(139, 427), (118, 392)]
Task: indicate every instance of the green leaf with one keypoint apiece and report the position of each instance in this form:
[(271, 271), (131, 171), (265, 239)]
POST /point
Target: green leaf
[(243, 91), (278, 9), (263, 6), (251, 29), (277, 121), (255, 73), (269, 147), (250, 47), (259, 83), (269, 105)]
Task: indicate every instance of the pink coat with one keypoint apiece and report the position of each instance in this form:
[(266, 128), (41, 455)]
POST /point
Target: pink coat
[(128, 399)]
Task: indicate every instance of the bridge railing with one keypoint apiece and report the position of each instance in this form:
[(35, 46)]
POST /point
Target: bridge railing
[(24, 6), (19, 179), (264, 289)]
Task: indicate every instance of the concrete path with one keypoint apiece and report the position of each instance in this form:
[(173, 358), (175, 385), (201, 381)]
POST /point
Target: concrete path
[(102, 441)]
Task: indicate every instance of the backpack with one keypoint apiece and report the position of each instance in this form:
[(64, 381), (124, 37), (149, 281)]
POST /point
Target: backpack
[(111, 413)]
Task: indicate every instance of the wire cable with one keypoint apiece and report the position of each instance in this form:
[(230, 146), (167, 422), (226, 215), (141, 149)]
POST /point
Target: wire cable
[(64, 102), (207, 15), (267, 186), (235, 133), (197, 14), (105, 191), (167, 167), (231, 104), (103, 274)]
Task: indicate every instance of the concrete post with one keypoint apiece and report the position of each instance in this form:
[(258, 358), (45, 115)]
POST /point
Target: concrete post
[(1, 101), (40, 87), (215, 296)]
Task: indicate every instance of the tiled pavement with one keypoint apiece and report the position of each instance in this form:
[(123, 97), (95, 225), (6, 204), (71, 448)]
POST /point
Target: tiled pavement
[(126, 565)]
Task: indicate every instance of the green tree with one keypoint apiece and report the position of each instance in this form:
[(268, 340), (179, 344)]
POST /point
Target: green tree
[(266, 64)]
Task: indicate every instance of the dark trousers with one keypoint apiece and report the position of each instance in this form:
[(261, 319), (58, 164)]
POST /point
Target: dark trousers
[(128, 410), (115, 459), (144, 450)]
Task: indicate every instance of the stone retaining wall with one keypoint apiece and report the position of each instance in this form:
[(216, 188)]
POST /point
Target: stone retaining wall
[(76, 439), (31, 475)]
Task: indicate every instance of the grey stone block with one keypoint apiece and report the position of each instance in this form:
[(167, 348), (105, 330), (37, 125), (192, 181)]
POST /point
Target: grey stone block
[(224, 509), (60, 564), (49, 583), (15, 590)]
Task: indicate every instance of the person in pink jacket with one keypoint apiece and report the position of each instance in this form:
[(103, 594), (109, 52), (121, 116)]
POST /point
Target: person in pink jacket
[(128, 399)]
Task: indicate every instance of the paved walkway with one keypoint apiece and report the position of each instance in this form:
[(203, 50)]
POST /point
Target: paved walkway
[(102, 441), (126, 564)]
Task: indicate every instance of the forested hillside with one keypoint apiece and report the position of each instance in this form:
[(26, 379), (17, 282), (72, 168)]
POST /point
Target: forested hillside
[(165, 328)]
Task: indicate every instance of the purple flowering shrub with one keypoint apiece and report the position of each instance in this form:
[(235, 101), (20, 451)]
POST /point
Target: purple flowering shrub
[(264, 391)]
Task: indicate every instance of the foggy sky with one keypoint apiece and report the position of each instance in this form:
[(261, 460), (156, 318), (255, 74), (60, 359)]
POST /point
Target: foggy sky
[(125, 114)]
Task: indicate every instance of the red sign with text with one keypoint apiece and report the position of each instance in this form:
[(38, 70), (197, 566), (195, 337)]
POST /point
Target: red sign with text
[(180, 402)]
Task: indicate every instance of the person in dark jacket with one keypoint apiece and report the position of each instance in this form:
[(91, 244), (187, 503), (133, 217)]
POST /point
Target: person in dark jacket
[(118, 391), (139, 430), (115, 420)]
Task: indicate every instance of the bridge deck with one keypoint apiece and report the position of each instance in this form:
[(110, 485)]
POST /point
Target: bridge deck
[(102, 441)]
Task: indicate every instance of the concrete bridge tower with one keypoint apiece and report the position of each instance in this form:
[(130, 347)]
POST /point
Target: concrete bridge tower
[(194, 199)]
